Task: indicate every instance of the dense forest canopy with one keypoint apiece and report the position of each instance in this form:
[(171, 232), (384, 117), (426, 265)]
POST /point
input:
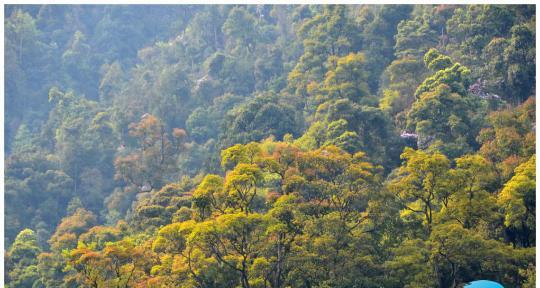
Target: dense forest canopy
[(269, 145)]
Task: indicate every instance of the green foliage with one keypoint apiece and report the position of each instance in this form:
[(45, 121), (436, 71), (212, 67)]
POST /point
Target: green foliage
[(347, 78), (209, 195), (239, 153), (26, 173), (520, 55), (353, 127), (399, 82), (509, 139), (156, 208), (241, 183), (408, 265), (468, 202), (436, 61), (447, 116), (519, 202), (481, 35), (21, 260), (471, 27), (204, 123), (22, 142), (449, 243), (258, 145), (455, 76), (379, 25), (414, 37), (421, 184), (324, 34), (240, 25), (259, 118)]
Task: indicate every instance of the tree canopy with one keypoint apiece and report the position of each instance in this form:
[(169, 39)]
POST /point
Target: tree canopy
[(262, 146)]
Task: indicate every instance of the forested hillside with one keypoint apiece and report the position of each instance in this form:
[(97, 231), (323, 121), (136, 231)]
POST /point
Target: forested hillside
[(269, 146)]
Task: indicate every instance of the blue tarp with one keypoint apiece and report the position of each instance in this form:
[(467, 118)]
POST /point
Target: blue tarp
[(483, 284)]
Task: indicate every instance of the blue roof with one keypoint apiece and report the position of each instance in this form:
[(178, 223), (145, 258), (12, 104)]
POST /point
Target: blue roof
[(483, 284)]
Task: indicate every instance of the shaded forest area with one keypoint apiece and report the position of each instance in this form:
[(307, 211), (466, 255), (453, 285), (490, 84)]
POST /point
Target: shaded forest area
[(269, 146)]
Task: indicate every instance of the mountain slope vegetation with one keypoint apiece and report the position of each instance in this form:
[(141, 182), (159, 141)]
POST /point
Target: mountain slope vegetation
[(269, 145)]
